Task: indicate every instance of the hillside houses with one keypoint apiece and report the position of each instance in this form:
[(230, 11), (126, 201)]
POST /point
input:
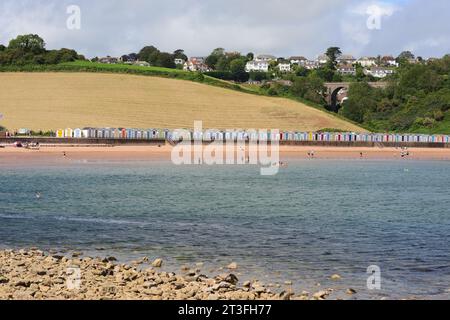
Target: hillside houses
[(346, 70), (257, 66), (346, 59), (108, 60), (379, 72), (367, 62), (265, 58), (284, 66), (196, 64)]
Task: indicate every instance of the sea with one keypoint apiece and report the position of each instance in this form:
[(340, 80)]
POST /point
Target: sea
[(314, 219)]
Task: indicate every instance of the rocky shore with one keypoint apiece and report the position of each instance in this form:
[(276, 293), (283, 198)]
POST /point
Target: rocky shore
[(35, 275)]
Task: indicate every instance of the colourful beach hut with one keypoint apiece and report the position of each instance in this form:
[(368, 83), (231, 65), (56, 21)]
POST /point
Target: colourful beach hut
[(77, 133)]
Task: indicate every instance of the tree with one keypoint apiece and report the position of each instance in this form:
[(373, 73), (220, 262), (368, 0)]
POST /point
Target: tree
[(213, 59), (237, 68), (360, 102), (147, 52), (165, 60), (2, 48), (250, 56), (179, 54), (405, 55), (333, 53), (30, 43)]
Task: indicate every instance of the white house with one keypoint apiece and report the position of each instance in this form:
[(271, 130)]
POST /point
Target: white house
[(367, 62), (265, 58), (298, 60), (311, 65), (379, 72), (261, 66), (389, 61), (284, 67), (322, 59), (347, 70)]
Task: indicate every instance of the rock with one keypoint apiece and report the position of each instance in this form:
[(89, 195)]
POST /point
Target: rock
[(76, 254), (23, 283), (288, 283), (321, 295), (41, 272), (286, 295), (350, 291), (336, 277), (157, 263), (247, 284), (3, 280), (109, 259), (230, 278), (232, 266)]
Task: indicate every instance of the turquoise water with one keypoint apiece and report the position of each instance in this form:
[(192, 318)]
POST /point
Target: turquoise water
[(312, 220)]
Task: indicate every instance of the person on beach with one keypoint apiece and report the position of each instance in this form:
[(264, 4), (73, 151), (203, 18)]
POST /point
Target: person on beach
[(361, 155), (64, 154)]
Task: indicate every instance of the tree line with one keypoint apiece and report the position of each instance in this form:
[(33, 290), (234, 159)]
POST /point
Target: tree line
[(30, 50)]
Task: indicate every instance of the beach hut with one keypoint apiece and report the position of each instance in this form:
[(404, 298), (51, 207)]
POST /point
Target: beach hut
[(60, 133), (68, 133), (77, 133)]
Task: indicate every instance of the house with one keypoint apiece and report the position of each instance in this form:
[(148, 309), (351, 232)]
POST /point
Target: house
[(346, 70), (198, 59), (379, 72), (108, 60), (265, 58), (298, 60), (259, 66), (141, 63), (367, 62), (311, 65), (322, 59), (196, 64), (179, 61), (346, 59), (284, 67), (389, 61)]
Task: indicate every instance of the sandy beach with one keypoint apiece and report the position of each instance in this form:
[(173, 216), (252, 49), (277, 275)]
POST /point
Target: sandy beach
[(66, 154)]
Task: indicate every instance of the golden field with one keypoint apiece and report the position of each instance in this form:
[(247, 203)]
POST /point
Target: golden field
[(49, 101)]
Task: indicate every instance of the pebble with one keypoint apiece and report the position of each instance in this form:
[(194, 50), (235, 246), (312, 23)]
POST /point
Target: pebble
[(232, 266), (157, 263)]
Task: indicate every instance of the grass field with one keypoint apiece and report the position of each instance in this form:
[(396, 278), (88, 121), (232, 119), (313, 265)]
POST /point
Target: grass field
[(48, 101)]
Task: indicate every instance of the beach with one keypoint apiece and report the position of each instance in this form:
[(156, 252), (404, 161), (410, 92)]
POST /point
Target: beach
[(35, 275), (55, 154), (81, 206)]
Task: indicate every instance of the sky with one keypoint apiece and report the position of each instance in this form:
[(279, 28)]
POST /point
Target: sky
[(283, 28)]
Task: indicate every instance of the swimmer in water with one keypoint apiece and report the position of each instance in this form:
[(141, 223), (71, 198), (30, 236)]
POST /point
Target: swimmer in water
[(38, 195)]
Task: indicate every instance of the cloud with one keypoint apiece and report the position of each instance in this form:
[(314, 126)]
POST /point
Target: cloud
[(283, 28)]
